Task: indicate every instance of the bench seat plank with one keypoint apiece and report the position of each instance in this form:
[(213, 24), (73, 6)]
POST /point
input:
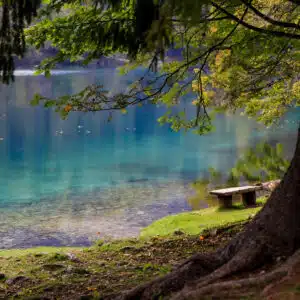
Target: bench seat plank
[(236, 190)]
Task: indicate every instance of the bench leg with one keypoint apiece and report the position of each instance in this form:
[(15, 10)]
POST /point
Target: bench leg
[(225, 201), (249, 199)]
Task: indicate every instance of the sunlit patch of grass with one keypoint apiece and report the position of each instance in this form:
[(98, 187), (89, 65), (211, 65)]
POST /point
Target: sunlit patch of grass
[(195, 222)]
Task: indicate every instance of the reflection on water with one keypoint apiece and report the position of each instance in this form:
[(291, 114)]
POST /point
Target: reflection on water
[(63, 181)]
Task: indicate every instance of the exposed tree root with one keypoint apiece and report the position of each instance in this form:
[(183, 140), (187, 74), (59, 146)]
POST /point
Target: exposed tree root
[(258, 281), (232, 285), (201, 274), (195, 267), (292, 266), (198, 275), (263, 282), (203, 270)]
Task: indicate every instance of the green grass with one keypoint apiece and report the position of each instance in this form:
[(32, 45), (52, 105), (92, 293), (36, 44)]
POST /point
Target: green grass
[(44, 250), (196, 222), (106, 268)]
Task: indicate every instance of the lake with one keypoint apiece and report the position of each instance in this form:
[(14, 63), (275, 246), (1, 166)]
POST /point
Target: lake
[(67, 182)]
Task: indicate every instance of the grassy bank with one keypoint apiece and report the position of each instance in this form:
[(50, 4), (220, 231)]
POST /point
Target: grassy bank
[(107, 269), (46, 250), (98, 271), (191, 223), (196, 222)]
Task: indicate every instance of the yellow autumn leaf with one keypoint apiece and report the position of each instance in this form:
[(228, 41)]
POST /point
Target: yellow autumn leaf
[(195, 86), (68, 108), (296, 90), (219, 58), (213, 29), (205, 80)]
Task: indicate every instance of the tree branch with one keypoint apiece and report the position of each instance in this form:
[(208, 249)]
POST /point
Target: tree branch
[(258, 29), (297, 2), (268, 19)]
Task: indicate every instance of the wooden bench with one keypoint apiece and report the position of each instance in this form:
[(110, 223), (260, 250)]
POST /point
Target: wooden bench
[(248, 195)]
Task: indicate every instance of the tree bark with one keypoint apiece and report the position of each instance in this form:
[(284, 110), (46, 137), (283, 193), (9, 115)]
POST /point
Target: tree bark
[(279, 220), (274, 232)]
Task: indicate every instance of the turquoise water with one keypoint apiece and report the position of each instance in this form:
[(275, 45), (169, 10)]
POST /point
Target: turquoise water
[(61, 182)]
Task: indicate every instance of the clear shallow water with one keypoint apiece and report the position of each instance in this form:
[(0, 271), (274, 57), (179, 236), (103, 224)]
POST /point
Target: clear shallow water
[(61, 182)]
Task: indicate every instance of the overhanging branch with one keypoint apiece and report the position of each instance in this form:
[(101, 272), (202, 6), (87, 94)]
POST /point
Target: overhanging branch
[(268, 19), (258, 29), (295, 1)]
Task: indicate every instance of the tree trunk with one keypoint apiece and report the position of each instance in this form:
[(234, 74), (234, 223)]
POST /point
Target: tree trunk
[(274, 232), (279, 220)]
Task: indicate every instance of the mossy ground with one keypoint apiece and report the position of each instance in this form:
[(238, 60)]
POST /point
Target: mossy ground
[(97, 271), (47, 250)]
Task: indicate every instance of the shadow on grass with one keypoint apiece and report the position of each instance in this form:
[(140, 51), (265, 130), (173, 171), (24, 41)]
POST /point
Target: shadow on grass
[(239, 206)]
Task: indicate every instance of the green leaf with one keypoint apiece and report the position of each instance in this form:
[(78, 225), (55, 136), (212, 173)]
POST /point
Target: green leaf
[(36, 100), (49, 103), (279, 149), (47, 73)]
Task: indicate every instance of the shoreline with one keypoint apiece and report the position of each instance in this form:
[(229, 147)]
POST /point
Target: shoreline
[(183, 223), (76, 219)]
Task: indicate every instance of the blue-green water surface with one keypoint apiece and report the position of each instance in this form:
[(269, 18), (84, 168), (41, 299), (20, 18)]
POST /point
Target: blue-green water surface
[(62, 181)]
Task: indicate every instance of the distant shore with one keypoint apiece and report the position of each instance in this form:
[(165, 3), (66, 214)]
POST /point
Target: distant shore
[(33, 58)]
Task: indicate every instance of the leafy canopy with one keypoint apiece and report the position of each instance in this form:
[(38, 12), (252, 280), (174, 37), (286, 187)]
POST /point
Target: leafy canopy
[(234, 54), (15, 16)]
